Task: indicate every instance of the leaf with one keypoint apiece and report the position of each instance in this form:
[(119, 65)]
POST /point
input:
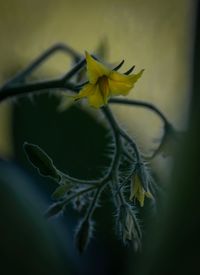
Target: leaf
[(61, 191), (41, 161)]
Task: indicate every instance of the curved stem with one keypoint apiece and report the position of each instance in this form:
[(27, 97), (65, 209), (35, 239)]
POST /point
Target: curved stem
[(12, 91), (130, 140), (118, 147), (8, 91), (139, 103), (118, 131)]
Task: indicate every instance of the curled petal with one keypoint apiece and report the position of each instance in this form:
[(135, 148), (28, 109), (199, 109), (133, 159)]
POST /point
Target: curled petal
[(95, 69), (121, 84), (133, 78)]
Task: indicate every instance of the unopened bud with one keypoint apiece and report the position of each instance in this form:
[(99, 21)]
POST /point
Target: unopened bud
[(83, 235)]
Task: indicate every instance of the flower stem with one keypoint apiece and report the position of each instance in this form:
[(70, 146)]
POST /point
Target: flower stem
[(118, 145)]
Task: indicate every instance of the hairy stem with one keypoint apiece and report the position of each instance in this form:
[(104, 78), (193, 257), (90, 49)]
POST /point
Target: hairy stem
[(94, 202), (86, 190)]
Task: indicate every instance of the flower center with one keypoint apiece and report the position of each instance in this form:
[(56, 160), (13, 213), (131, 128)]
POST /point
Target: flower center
[(103, 86)]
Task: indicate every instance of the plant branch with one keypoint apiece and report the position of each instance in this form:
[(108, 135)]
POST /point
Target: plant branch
[(139, 103), (86, 190), (20, 77), (33, 88), (94, 202)]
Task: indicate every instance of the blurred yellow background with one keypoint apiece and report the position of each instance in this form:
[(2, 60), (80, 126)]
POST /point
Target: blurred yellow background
[(155, 35)]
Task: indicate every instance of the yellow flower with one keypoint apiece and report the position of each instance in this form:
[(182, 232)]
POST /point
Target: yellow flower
[(137, 190), (104, 83)]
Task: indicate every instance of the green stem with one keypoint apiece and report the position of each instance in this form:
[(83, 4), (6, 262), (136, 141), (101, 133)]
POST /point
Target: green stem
[(117, 130), (32, 88), (9, 91), (94, 202), (139, 103), (145, 105), (118, 146), (130, 140), (87, 182)]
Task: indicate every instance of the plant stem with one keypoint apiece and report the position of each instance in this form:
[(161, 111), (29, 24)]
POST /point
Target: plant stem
[(118, 146), (94, 202), (67, 200), (139, 103), (130, 140), (33, 88), (20, 77)]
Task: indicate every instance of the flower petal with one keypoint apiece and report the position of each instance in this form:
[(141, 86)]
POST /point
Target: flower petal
[(121, 84), (97, 99), (95, 69), (137, 190), (104, 88), (134, 77), (87, 90), (119, 88)]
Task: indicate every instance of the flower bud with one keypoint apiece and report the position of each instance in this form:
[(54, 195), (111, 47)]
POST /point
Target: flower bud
[(83, 235)]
